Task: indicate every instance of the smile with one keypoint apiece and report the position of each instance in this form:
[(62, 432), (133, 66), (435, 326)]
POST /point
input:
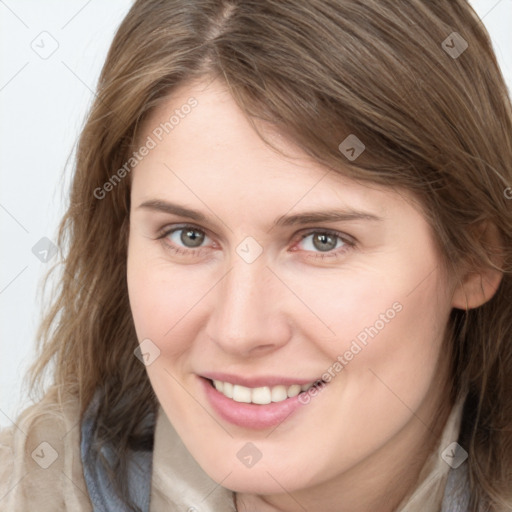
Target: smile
[(262, 395), (256, 402)]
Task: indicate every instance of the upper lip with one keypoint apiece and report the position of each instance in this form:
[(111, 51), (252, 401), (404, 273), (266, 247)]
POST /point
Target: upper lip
[(257, 381)]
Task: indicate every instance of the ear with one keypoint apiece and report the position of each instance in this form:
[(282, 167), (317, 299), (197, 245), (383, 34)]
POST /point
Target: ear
[(478, 285)]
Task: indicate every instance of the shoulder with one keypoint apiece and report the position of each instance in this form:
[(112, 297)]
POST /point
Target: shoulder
[(40, 464)]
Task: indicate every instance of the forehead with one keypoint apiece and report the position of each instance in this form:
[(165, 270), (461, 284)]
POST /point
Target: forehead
[(212, 150)]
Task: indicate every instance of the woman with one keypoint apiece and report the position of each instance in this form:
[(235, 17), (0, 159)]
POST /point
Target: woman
[(288, 273)]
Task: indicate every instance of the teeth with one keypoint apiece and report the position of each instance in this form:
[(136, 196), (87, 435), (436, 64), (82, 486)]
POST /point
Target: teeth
[(228, 389), (279, 393), (261, 396), (293, 390), (241, 394)]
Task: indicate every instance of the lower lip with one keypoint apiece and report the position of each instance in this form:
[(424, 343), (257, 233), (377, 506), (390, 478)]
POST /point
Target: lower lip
[(252, 416)]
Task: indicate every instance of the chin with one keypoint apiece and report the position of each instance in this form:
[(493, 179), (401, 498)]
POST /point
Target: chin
[(264, 481), (262, 478)]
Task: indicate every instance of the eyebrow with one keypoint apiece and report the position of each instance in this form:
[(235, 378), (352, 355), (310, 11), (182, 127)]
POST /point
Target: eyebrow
[(285, 220)]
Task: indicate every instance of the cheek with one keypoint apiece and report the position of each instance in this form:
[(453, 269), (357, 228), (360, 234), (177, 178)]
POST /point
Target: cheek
[(387, 369), (396, 369), (162, 297), (388, 327), (348, 309)]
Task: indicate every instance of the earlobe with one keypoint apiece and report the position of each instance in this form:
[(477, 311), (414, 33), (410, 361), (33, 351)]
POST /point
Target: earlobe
[(479, 286)]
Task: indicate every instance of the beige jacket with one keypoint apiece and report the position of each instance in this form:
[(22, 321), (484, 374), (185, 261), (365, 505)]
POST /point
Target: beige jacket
[(41, 469)]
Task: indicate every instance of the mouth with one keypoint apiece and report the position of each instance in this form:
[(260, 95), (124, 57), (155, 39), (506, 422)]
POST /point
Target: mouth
[(263, 395), (258, 407)]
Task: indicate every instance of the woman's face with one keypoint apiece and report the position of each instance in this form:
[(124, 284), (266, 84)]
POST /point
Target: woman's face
[(267, 273)]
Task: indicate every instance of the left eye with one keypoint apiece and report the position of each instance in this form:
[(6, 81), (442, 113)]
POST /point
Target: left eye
[(322, 241), (188, 236)]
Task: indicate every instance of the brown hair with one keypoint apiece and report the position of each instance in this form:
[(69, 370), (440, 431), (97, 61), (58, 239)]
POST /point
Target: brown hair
[(435, 124)]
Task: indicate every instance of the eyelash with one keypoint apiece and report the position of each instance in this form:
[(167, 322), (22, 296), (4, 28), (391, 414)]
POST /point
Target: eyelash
[(349, 242)]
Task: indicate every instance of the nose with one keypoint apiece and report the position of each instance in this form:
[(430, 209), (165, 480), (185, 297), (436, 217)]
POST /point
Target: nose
[(248, 316)]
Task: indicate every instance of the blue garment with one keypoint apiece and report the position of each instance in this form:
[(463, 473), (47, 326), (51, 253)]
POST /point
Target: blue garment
[(102, 496), (456, 492), (104, 499)]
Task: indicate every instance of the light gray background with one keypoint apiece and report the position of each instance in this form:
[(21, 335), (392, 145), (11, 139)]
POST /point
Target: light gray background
[(43, 101)]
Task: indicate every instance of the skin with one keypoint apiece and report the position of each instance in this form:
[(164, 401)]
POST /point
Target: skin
[(360, 444)]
